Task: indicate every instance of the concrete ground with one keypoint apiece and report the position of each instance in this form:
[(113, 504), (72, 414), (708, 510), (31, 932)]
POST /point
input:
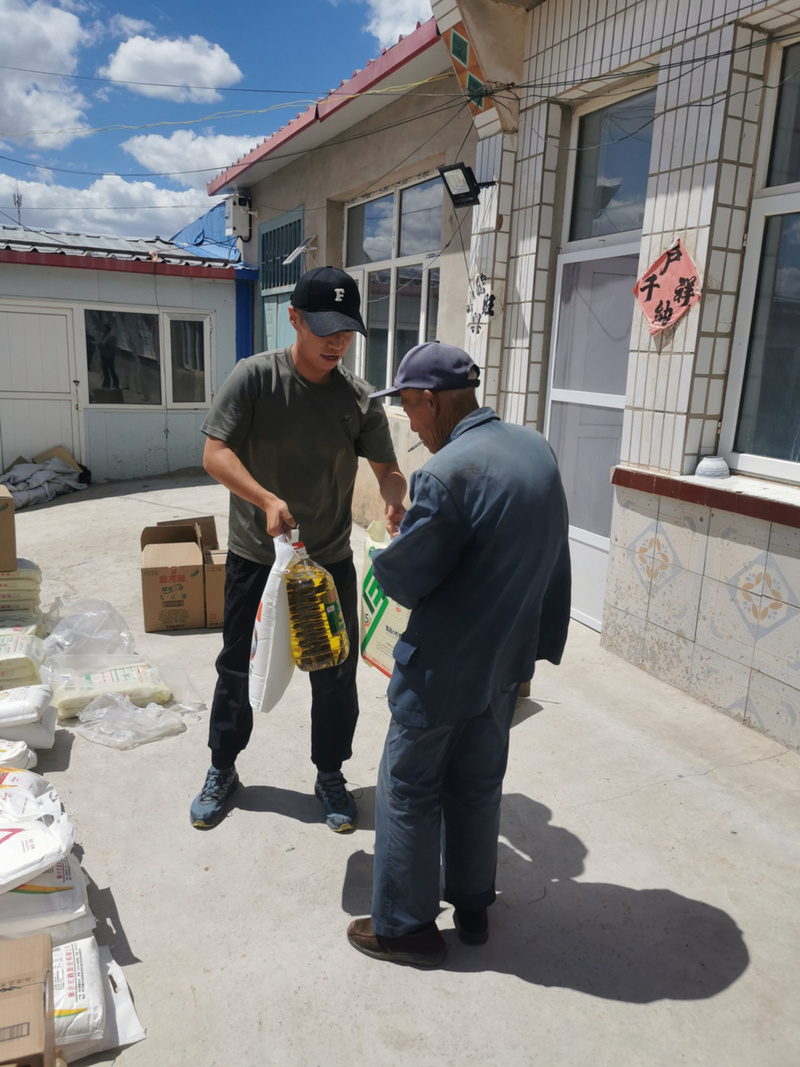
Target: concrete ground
[(647, 869)]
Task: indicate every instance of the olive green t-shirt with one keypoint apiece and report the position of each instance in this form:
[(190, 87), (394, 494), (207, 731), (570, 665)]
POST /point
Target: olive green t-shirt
[(300, 441)]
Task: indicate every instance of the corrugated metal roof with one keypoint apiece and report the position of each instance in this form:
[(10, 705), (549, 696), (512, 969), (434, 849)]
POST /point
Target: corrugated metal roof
[(104, 246)]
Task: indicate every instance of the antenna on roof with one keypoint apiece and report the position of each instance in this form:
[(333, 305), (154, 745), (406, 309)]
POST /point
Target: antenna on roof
[(304, 246)]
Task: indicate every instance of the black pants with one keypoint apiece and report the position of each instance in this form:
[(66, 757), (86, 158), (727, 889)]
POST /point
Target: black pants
[(334, 698)]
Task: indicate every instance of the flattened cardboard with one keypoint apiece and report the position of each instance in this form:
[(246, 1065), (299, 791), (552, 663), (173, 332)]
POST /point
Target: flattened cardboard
[(59, 452), (215, 587), (173, 585), (27, 1034), (8, 534)]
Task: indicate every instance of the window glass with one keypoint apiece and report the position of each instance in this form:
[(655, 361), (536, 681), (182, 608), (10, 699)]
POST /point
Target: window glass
[(769, 418), (595, 318), (187, 347), (370, 231), (784, 164), (408, 308), (612, 167), (421, 218), (586, 440), (379, 285), (432, 318), (123, 357)]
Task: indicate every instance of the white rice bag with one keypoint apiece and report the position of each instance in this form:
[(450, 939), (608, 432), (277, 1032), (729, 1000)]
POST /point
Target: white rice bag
[(30, 845), (56, 898), (16, 621), (29, 629), (78, 680), (122, 1026), (78, 997), (24, 794), (17, 755), (24, 704), (27, 573), (35, 734)]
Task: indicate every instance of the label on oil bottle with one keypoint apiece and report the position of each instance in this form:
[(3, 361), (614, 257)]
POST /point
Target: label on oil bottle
[(333, 612)]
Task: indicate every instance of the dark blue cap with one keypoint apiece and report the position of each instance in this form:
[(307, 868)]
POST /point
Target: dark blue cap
[(434, 366)]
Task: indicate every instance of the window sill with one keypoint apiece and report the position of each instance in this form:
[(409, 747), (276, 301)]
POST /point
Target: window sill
[(739, 494)]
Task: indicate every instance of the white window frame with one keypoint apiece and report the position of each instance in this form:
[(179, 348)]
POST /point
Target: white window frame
[(359, 271), (767, 202), (165, 316)]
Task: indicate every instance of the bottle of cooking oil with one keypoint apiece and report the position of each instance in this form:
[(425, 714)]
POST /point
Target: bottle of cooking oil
[(318, 634)]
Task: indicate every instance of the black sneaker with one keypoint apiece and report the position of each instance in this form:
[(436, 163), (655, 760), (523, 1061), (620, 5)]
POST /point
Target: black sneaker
[(472, 926), (341, 812), (208, 806)]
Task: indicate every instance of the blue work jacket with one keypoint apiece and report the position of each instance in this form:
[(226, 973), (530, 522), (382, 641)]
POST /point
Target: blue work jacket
[(482, 560)]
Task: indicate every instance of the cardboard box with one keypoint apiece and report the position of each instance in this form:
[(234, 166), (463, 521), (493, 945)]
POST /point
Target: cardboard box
[(8, 534), (215, 587), (173, 586), (59, 452), (26, 1002), (208, 529)]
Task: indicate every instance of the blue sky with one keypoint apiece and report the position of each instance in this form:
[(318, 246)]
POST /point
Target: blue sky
[(114, 116)]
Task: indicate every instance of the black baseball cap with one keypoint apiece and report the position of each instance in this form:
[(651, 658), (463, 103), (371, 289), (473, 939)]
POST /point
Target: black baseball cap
[(329, 300), (434, 366)]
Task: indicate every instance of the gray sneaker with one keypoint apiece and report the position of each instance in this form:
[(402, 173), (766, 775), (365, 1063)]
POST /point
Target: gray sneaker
[(208, 806), (341, 812)]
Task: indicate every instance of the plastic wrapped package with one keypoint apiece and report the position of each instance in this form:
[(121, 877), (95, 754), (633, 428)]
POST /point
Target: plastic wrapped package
[(16, 755), (88, 626), (29, 629), (78, 679), (16, 621), (111, 719), (21, 658), (55, 902)]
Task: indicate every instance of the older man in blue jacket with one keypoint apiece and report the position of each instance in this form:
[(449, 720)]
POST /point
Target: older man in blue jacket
[(482, 560)]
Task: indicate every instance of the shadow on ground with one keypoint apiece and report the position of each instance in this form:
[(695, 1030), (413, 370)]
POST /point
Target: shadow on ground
[(609, 941)]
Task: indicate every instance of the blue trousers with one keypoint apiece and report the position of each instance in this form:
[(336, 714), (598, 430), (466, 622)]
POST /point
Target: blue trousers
[(334, 697), (437, 817)]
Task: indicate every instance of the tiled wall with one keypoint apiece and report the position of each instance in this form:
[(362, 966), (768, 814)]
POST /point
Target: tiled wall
[(709, 601)]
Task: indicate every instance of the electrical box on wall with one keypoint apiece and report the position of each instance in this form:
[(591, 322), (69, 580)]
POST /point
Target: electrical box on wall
[(237, 217)]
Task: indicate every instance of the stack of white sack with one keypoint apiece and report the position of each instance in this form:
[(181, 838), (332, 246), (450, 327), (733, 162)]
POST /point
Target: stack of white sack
[(77, 680), (27, 715), (19, 595), (35, 832), (54, 902), (21, 657), (93, 1009)]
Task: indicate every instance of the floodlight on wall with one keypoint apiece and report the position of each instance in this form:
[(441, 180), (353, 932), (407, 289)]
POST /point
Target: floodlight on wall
[(461, 184)]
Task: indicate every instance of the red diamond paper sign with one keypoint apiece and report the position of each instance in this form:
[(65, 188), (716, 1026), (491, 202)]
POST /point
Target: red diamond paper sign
[(668, 288)]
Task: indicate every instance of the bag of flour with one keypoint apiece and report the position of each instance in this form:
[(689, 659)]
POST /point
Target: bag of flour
[(16, 754), (78, 996), (78, 680), (271, 663), (23, 705), (30, 845), (20, 659), (24, 794), (54, 902)]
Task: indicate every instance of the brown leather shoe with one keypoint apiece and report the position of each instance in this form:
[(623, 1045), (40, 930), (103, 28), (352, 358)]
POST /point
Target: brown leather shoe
[(425, 949)]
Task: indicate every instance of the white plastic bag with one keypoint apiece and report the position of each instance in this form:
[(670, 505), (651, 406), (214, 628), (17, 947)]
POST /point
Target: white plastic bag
[(16, 755), (111, 719), (271, 663), (25, 794), (88, 625)]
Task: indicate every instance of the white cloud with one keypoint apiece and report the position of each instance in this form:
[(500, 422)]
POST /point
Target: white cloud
[(392, 19), (123, 26), (179, 61), (184, 150), (110, 205), (40, 36)]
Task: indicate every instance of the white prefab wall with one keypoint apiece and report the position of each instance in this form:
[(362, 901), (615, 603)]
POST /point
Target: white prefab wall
[(44, 388)]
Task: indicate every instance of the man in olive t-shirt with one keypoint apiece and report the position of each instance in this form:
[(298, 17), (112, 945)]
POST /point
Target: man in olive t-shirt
[(284, 435)]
